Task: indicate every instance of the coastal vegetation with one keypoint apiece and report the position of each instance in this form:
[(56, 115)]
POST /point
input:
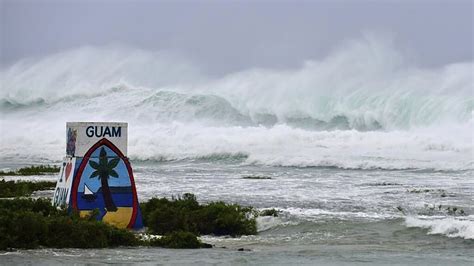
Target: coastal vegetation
[(31, 223), (23, 188), (184, 213), (32, 170), (178, 239), (269, 212), (27, 223)]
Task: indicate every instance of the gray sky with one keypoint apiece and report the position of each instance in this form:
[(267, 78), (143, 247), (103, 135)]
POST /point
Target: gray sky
[(228, 36)]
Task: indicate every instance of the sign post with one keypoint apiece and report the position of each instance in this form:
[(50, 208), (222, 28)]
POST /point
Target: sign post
[(96, 174)]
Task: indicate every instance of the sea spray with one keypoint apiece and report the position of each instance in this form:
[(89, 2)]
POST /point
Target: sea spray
[(361, 107), (462, 227)]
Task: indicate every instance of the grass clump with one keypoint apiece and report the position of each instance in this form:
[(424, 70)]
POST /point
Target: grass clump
[(163, 216), (23, 188), (32, 170)]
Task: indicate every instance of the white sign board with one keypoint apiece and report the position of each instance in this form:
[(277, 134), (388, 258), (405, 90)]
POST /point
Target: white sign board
[(63, 185), (81, 136)]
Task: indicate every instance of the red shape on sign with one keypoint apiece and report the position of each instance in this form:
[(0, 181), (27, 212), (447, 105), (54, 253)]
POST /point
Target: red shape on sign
[(68, 169)]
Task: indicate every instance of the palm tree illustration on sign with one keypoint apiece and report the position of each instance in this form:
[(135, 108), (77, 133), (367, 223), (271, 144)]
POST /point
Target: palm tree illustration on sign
[(103, 170)]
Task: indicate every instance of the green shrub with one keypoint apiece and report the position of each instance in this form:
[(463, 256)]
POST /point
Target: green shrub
[(269, 212), (42, 206), (178, 240), (67, 232), (28, 223), (163, 216), (22, 229), (167, 219), (23, 188), (219, 218)]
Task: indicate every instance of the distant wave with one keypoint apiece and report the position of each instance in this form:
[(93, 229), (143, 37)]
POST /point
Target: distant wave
[(361, 107), (169, 106), (363, 84)]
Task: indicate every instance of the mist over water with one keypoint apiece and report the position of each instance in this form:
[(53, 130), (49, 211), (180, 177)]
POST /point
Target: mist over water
[(363, 106)]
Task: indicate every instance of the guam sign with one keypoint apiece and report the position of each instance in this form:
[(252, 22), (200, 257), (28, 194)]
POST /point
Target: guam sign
[(100, 175)]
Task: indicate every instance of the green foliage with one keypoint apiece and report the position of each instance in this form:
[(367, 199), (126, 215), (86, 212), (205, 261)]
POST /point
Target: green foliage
[(163, 216), (72, 232), (22, 188), (41, 206), (219, 218), (21, 229), (33, 170), (269, 212), (31, 223), (28, 223), (178, 240)]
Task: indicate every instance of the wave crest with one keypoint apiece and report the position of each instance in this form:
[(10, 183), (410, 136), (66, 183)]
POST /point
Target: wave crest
[(365, 84), (361, 107), (450, 227)]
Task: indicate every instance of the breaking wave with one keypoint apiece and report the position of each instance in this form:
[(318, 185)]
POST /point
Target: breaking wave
[(361, 107), (450, 227)]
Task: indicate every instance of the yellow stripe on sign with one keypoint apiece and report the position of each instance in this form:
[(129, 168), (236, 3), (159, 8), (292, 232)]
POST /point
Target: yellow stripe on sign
[(120, 218)]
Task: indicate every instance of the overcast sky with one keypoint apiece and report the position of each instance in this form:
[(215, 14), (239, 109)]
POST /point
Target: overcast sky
[(225, 36)]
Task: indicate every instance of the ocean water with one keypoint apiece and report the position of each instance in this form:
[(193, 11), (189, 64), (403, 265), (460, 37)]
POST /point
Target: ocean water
[(366, 154)]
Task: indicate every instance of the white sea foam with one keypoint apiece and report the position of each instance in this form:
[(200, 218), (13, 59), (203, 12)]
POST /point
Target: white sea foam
[(462, 227), (280, 145), (265, 223), (362, 107), (310, 214)]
